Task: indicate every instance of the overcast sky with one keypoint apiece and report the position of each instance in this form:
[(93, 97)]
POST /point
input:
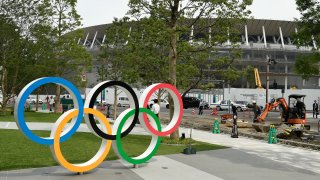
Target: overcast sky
[(95, 12)]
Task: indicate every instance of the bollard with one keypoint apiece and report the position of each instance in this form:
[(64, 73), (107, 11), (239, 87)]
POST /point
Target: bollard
[(216, 127), (272, 139), (234, 132)]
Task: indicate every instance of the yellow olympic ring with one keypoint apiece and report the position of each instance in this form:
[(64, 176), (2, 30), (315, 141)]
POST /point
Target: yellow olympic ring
[(100, 155)]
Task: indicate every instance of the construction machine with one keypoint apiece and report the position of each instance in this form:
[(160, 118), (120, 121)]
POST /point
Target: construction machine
[(293, 113)]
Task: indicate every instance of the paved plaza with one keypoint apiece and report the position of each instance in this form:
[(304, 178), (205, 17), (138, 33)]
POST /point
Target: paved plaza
[(245, 159)]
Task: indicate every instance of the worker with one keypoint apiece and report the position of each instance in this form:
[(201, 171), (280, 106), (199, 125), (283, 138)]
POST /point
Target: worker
[(256, 111), (301, 108), (315, 108), (234, 110), (201, 105)]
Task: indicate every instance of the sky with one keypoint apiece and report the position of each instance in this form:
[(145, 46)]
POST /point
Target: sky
[(95, 12)]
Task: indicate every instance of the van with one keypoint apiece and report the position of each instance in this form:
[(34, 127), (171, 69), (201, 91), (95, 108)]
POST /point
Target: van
[(123, 101), (190, 102)]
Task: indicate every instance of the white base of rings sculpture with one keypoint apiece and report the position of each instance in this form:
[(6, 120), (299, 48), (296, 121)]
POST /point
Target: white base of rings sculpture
[(111, 136)]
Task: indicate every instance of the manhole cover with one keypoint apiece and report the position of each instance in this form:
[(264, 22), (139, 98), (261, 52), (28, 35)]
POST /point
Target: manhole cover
[(165, 168), (118, 173)]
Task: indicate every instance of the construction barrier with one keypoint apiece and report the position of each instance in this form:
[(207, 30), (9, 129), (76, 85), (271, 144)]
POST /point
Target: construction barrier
[(216, 127), (43, 106), (272, 139)]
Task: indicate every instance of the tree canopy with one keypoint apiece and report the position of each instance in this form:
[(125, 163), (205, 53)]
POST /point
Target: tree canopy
[(37, 39), (175, 41), (308, 34)]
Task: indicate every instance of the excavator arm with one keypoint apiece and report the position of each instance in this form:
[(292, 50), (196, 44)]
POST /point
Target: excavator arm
[(257, 78), (270, 106)]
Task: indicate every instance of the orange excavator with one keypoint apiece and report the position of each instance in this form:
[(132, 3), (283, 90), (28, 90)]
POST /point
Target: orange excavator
[(294, 113)]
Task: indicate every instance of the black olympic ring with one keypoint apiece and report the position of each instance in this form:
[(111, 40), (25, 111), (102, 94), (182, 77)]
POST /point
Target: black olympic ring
[(93, 101)]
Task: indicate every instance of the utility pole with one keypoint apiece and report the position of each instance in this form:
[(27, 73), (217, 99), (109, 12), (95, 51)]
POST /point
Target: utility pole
[(269, 62)]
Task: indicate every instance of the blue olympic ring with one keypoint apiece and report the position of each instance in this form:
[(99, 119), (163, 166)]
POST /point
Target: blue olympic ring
[(24, 94)]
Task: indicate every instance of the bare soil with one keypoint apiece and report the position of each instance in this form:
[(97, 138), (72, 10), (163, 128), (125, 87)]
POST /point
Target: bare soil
[(309, 139)]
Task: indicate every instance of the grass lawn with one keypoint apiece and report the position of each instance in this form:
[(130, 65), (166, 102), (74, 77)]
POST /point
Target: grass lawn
[(18, 152), (33, 117)]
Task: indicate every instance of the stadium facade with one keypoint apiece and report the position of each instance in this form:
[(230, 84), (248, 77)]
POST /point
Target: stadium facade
[(260, 39)]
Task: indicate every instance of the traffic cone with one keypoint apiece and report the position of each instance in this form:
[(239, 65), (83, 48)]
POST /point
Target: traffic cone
[(216, 127), (193, 112), (214, 112)]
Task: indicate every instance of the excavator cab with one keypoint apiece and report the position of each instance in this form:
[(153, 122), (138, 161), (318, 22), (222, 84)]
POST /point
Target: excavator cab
[(292, 113), (296, 110)]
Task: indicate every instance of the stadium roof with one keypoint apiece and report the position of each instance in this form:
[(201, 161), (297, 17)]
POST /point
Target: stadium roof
[(254, 27)]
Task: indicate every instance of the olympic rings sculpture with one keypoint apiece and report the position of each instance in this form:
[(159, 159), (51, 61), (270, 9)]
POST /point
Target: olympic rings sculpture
[(111, 136)]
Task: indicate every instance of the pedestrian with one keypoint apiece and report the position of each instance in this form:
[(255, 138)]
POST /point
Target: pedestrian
[(47, 98), (201, 105), (64, 104), (315, 108), (256, 111), (155, 107), (234, 110), (51, 103)]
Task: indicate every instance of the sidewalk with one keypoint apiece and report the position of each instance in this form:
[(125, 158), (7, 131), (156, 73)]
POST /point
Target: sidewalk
[(246, 159)]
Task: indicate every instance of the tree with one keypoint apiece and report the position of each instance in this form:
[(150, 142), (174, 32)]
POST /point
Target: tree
[(37, 35), (308, 33), (18, 46), (66, 57), (113, 60), (248, 73), (307, 65), (169, 22)]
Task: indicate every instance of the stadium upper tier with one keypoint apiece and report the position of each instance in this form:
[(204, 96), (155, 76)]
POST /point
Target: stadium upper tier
[(255, 33)]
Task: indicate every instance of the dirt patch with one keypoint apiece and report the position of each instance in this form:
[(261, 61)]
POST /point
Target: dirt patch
[(309, 139)]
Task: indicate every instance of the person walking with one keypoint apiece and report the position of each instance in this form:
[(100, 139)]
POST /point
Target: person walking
[(47, 98), (201, 106), (155, 107), (51, 103), (315, 108)]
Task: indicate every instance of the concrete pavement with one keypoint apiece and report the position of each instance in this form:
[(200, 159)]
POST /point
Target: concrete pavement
[(246, 159)]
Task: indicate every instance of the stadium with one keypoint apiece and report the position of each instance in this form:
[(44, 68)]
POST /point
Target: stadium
[(260, 40)]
